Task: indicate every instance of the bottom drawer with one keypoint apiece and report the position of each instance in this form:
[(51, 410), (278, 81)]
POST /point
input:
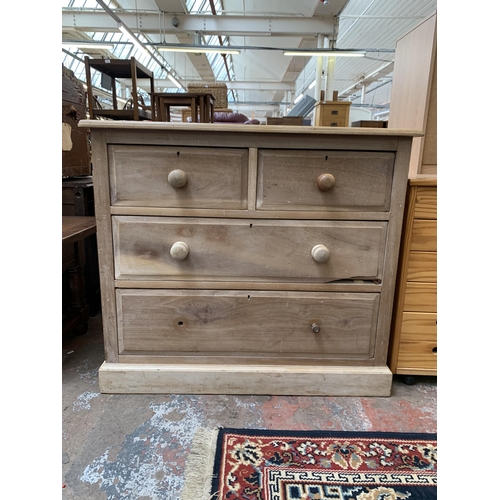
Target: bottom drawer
[(240, 323), (417, 356)]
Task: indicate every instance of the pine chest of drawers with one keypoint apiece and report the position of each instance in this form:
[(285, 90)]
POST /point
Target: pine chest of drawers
[(247, 259)]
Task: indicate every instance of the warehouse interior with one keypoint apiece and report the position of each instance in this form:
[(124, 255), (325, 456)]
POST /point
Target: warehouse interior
[(134, 446)]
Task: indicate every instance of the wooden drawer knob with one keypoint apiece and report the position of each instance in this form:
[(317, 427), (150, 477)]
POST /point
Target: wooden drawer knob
[(315, 328), (179, 250), (325, 182), (320, 253), (177, 178)]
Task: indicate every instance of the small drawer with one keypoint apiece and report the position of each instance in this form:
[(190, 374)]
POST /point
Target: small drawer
[(422, 267), (178, 177), (424, 235), (420, 297), (417, 355), (241, 323), (419, 327), (426, 203), (324, 180), (176, 248)]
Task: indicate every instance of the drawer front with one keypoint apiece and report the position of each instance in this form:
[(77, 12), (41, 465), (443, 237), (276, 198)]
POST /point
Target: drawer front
[(419, 327), (421, 297), (290, 180), (239, 250), (247, 323), (426, 203), (424, 236), (422, 267), (202, 178), (417, 355)]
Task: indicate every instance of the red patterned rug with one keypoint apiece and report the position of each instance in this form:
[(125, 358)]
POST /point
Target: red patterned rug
[(244, 464)]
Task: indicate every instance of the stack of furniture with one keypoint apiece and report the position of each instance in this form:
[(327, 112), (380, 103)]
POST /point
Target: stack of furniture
[(413, 349), (116, 69), (331, 114), (75, 140), (200, 106), (247, 259)]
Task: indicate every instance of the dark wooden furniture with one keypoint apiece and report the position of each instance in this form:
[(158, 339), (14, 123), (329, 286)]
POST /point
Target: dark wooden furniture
[(119, 68), (78, 199), (285, 120), (201, 105), (370, 123), (74, 230), (75, 140)]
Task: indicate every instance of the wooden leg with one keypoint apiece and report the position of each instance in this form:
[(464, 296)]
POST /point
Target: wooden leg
[(194, 110), (203, 113)]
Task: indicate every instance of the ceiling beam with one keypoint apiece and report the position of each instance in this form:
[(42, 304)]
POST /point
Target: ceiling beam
[(250, 85), (150, 22)]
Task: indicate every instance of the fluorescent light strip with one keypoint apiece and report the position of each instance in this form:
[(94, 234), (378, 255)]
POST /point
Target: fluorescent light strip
[(173, 80), (312, 84), (298, 98), (203, 49), (132, 38), (330, 53)]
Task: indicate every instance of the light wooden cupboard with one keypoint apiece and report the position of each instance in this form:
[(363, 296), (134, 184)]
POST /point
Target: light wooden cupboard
[(245, 259), (413, 349)]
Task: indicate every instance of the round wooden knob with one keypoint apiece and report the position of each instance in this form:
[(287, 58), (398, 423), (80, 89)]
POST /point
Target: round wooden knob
[(179, 250), (320, 253), (325, 182), (177, 178)]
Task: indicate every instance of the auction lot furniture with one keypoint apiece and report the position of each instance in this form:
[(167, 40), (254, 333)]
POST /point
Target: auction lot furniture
[(119, 68), (246, 259), (74, 231), (331, 114), (201, 105)]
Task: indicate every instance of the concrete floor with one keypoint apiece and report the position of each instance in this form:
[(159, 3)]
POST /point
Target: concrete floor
[(134, 447)]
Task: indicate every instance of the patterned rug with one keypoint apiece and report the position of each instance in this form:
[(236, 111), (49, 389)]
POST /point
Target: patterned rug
[(244, 464)]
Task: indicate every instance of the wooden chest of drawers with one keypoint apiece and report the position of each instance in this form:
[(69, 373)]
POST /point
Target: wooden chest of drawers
[(247, 259), (413, 349), (332, 114)]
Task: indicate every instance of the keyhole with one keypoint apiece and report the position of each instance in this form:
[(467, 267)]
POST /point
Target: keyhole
[(326, 158), (251, 225), (178, 154), (181, 323)]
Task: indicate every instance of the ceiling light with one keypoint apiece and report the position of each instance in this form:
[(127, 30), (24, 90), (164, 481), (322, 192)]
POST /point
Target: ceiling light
[(202, 49), (298, 98), (130, 36), (313, 83), (173, 80), (328, 53), (88, 45)]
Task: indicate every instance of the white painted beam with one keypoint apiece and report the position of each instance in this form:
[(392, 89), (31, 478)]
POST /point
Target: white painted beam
[(149, 22), (252, 85)]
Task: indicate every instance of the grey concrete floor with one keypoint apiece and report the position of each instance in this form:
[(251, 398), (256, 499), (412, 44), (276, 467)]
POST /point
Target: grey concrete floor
[(134, 447)]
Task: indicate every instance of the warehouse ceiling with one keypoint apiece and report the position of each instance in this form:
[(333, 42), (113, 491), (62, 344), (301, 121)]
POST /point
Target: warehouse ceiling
[(261, 80)]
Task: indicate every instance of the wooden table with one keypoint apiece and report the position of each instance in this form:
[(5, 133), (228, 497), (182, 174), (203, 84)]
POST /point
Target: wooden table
[(74, 230), (201, 105)]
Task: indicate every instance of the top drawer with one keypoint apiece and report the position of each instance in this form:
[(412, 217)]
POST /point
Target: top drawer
[(140, 176), (302, 180)]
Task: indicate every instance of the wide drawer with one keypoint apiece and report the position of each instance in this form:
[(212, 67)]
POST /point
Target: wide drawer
[(424, 235), (241, 323), (417, 355), (419, 327), (235, 249), (420, 297), (178, 177), (302, 180)]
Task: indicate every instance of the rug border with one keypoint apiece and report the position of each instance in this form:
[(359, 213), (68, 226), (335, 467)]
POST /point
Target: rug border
[(222, 431)]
